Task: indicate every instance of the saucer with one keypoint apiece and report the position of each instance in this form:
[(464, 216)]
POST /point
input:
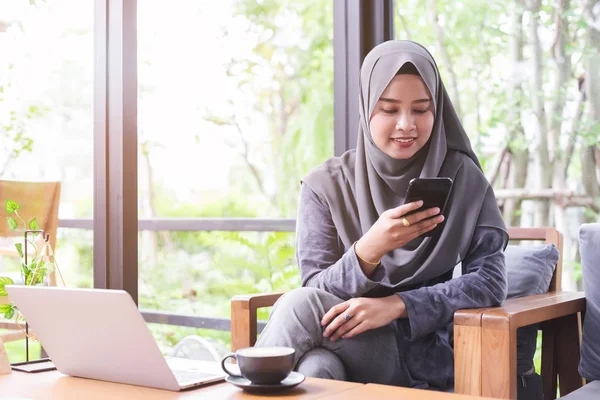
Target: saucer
[(293, 379)]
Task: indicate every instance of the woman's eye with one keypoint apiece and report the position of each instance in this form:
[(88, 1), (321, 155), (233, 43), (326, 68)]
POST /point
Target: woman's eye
[(420, 111), (392, 111)]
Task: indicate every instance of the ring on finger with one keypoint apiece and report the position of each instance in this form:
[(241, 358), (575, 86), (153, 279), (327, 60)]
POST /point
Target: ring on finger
[(405, 222), (347, 316)]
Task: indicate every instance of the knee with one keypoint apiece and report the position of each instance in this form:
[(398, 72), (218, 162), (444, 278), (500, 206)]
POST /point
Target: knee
[(322, 363), (301, 298)]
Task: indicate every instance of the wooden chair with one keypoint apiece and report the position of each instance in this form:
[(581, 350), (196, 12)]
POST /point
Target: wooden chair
[(38, 200), (485, 348), (484, 338)]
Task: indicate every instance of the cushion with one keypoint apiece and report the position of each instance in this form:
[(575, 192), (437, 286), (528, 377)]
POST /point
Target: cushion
[(529, 271), (589, 247)]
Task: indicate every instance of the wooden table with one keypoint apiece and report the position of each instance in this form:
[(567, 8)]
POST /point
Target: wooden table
[(54, 385), (383, 392)]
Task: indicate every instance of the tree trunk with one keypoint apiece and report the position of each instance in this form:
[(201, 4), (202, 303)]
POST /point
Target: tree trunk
[(562, 63), (439, 35), (517, 170), (589, 159), (543, 164)]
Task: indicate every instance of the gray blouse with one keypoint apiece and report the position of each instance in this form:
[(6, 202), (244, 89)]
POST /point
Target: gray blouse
[(326, 264)]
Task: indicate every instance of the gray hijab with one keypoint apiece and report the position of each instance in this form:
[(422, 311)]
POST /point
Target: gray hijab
[(363, 183)]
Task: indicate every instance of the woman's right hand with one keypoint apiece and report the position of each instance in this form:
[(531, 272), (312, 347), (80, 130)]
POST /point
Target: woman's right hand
[(389, 232)]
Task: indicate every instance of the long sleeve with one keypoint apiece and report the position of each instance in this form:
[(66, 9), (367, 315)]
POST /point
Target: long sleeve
[(323, 261), (483, 284)]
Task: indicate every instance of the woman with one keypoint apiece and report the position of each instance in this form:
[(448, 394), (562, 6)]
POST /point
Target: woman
[(378, 298)]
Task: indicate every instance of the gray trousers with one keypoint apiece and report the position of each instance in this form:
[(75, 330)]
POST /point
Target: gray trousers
[(371, 357)]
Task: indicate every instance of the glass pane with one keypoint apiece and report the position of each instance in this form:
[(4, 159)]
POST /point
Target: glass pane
[(197, 274), (234, 115), (46, 119), (235, 107), (517, 77)]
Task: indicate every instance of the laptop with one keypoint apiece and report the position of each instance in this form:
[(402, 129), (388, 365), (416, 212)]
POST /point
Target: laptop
[(100, 334)]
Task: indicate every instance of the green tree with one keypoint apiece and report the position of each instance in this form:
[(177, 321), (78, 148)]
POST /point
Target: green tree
[(517, 72), (296, 101)]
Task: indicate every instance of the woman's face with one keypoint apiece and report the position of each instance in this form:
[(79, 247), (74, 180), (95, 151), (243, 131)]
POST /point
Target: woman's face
[(402, 120)]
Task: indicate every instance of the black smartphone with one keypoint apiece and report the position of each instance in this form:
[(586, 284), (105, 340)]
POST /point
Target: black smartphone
[(434, 192)]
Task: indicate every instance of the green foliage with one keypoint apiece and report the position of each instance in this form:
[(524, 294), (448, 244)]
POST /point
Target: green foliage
[(32, 273), (8, 310), (3, 282), (475, 33), (13, 137), (19, 247), (33, 224), (198, 272), (298, 104), (11, 206), (12, 223)]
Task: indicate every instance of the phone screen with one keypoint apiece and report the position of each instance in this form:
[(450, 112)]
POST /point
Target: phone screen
[(434, 192)]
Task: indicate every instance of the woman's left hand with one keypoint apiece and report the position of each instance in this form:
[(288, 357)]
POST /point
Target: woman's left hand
[(356, 316)]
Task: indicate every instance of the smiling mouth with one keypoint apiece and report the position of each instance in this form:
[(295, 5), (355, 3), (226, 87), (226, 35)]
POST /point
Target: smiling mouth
[(404, 140)]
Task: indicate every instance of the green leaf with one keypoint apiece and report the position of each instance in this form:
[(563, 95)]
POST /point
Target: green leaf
[(11, 206), (10, 312), (19, 247), (29, 275), (33, 225), (4, 280), (24, 272), (39, 276), (12, 223)]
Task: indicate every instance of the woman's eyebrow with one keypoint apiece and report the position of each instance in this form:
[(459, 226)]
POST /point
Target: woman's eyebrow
[(389, 100)]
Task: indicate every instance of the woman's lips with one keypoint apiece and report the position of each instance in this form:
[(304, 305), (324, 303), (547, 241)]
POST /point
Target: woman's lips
[(403, 142)]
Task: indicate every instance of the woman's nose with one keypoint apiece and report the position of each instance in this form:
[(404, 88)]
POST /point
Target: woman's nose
[(405, 123)]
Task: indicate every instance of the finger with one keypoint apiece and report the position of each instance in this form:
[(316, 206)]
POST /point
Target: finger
[(422, 215), (336, 324), (426, 228), (426, 223), (405, 208), (346, 327), (333, 312), (358, 329)]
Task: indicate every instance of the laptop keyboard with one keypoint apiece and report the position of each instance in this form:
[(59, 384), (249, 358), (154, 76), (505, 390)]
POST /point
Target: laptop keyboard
[(188, 377), (190, 372)]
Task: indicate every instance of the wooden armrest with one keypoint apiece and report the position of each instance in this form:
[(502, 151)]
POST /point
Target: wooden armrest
[(499, 340), (469, 349), (533, 309), (473, 316), (257, 300), (243, 317)]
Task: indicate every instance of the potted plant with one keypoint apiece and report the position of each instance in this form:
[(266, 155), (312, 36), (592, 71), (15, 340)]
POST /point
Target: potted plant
[(33, 272)]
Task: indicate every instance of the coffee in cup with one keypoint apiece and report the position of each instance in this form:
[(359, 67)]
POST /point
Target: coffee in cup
[(262, 365)]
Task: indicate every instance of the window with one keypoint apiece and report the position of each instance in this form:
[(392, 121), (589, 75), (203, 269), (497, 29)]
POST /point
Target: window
[(46, 117), (235, 107)]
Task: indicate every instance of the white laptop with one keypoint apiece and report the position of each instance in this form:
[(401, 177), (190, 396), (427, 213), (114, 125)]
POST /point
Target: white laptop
[(100, 334)]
